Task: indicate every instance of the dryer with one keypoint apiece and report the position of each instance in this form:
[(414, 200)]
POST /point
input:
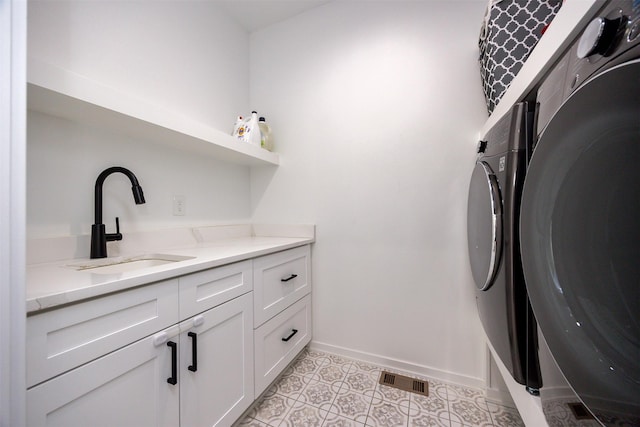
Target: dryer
[(580, 225), (493, 241)]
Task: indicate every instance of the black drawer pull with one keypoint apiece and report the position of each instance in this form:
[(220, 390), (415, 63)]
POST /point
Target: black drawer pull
[(194, 352), (293, 332), (173, 379), (293, 276)]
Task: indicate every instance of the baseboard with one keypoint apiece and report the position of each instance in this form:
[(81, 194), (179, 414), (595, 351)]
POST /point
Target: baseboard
[(412, 368)]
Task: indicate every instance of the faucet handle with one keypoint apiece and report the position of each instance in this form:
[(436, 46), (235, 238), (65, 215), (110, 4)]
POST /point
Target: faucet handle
[(114, 236)]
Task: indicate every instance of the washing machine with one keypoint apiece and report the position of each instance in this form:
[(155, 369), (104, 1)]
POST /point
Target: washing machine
[(493, 241), (580, 225)]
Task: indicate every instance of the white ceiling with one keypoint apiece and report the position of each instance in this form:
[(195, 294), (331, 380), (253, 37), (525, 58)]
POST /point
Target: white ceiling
[(256, 14)]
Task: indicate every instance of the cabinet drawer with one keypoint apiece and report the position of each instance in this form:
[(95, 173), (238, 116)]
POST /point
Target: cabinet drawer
[(280, 279), (273, 353), (206, 289), (60, 340)]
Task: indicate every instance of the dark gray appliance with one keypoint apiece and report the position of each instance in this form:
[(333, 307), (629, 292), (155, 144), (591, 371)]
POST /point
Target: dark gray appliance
[(492, 230), (580, 225)]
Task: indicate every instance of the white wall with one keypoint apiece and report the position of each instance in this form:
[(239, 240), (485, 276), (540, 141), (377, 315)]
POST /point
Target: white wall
[(375, 108), (187, 57), (65, 158)]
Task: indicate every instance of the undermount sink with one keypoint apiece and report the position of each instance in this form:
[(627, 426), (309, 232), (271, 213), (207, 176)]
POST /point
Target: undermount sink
[(127, 264)]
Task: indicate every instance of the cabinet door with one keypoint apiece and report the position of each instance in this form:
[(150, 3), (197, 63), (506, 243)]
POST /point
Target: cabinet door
[(219, 386), (127, 388)]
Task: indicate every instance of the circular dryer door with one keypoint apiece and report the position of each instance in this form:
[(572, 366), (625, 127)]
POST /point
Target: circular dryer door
[(580, 242), (484, 225)]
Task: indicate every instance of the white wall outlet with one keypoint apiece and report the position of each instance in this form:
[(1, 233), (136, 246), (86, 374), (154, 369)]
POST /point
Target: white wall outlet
[(179, 205)]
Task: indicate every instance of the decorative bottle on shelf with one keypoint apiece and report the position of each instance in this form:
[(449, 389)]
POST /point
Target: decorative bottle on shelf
[(266, 141), (253, 130), (238, 128)]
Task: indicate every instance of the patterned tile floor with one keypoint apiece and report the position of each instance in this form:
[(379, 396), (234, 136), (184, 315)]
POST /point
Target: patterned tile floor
[(322, 389)]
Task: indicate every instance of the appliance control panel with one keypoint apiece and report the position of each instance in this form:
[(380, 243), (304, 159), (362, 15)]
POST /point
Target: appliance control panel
[(611, 38), (612, 34)]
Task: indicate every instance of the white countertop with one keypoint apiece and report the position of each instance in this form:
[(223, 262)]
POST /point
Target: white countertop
[(52, 282)]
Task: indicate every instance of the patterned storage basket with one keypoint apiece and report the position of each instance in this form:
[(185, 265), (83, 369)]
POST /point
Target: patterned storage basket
[(509, 33)]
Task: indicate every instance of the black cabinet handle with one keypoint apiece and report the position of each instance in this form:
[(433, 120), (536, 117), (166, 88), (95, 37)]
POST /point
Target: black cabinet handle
[(293, 332), (194, 352), (173, 379), (293, 276)]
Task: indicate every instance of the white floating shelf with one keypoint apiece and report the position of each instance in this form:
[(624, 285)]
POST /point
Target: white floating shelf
[(57, 92)]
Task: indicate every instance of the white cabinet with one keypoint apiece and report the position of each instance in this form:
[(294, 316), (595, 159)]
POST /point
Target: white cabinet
[(62, 339), (205, 289), (280, 279), (280, 340), (216, 364), (216, 346), (282, 311), (182, 352), (202, 376), (126, 388), (96, 362)]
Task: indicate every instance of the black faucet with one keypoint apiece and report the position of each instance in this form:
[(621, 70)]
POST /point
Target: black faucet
[(99, 237)]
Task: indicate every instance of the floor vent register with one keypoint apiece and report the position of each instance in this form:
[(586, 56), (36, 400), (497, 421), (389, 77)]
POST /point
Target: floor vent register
[(401, 382)]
